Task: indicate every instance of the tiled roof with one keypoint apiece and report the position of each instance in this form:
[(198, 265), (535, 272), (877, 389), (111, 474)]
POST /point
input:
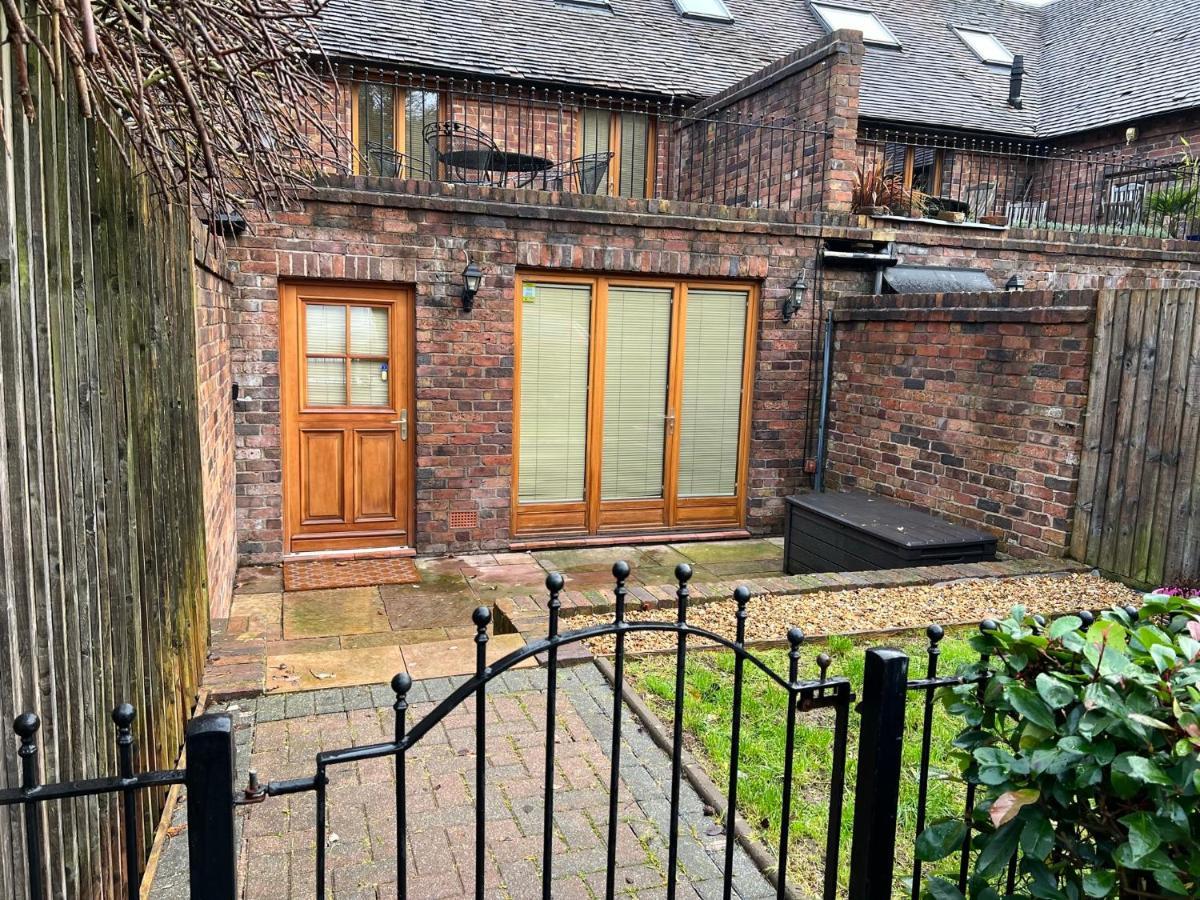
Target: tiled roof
[(1089, 62)]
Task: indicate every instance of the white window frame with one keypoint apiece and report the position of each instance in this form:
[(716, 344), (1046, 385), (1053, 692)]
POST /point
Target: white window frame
[(687, 9), (962, 33)]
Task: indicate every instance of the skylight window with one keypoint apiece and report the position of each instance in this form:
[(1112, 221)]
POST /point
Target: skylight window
[(704, 9), (986, 46), (873, 30)]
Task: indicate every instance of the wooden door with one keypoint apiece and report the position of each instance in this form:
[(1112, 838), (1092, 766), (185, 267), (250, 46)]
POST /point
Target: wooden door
[(346, 389)]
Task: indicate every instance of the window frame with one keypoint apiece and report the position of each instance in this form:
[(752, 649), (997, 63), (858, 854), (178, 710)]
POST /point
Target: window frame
[(347, 357), (891, 40), (961, 31), (399, 126), (670, 513), (724, 16)]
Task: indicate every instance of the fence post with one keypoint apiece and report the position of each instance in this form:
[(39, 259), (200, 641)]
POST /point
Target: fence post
[(211, 770), (877, 792)]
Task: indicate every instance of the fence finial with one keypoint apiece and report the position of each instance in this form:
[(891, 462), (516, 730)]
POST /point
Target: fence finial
[(482, 617), (26, 726), (795, 637), (620, 570), (935, 633), (401, 684), (554, 584)]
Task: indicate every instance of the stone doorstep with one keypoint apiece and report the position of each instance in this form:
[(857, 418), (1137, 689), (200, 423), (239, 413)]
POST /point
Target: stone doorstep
[(533, 626)]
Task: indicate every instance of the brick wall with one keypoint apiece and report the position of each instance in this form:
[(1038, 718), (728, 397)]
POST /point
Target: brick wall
[(214, 371), (464, 362), (807, 102), (968, 405)]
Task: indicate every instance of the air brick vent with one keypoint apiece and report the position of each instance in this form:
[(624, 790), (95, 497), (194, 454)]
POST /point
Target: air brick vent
[(461, 520)]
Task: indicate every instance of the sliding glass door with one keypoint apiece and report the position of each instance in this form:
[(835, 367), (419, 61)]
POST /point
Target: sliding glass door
[(632, 404)]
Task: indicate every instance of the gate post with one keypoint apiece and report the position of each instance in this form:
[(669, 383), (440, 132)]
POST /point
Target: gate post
[(211, 770), (877, 792)]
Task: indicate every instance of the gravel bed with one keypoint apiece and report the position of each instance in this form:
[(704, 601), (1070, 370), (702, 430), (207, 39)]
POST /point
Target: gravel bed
[(825, 613)]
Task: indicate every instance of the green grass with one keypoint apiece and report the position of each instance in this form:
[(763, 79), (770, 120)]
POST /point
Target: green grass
[(707, 713)]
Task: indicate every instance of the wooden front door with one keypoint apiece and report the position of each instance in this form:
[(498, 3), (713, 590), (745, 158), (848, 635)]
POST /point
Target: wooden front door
[(347, 416)]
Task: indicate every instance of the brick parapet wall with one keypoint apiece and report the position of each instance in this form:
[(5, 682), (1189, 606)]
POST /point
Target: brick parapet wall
[(214, 317), (969, 405)]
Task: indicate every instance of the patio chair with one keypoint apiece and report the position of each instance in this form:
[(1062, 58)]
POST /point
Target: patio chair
[(979, 199), (583, 175), (388, 163), (466, 154), (1025, 213), (1125, 203)]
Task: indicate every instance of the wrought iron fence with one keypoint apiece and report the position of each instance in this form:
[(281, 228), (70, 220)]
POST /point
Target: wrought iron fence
[(1024, 185), (886, 691), (496, 133)]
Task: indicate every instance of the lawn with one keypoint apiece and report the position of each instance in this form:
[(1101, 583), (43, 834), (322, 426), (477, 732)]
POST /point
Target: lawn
[(707, 716)]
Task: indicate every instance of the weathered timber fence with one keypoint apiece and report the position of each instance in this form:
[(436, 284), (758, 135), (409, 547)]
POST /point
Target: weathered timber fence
[(1137, 514), (102, 594)]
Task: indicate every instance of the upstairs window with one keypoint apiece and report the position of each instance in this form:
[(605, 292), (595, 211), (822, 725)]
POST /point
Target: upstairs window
[(986, 46), (873, 30), (704, 9), (388, 127), (630, 138)]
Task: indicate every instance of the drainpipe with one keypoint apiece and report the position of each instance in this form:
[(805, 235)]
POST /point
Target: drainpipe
[(823, 415)]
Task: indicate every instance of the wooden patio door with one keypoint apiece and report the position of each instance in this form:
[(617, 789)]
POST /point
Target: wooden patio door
[(346, 389)]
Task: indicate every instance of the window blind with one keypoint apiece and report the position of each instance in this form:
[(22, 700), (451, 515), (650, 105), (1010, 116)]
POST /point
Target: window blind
[(325, 329), (420, 108), (326, 381), (635, 139), (710, 420), (555, 323), (376, 125), (636, 354), (596, 125), (368, 331)]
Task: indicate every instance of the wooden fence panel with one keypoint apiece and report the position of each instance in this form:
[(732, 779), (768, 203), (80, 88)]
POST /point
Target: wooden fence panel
[(1137, 516), (102, 557)]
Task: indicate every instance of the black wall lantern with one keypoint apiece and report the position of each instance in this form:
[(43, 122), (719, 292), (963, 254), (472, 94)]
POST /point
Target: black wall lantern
[(472, 278), (795, 298)]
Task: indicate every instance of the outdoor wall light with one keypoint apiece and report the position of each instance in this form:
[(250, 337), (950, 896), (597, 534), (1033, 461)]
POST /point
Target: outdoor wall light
[(795, 298), (472, 279), (1014, 284)]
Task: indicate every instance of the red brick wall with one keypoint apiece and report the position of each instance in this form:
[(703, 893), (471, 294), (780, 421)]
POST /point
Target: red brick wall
[(791, 161), (968, 405), (464, 362), (214, 371)]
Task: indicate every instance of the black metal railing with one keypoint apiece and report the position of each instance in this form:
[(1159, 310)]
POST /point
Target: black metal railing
[(1025, 185), (434, 128)]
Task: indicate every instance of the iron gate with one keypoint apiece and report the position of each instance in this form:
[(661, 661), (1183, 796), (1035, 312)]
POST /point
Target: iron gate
[(209, 775)]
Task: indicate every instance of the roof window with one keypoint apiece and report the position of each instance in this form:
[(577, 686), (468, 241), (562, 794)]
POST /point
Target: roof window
[(704, 9), (986, 46), (838, 17)]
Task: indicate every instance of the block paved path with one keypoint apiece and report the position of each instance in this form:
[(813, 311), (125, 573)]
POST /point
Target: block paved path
[(278, 736)]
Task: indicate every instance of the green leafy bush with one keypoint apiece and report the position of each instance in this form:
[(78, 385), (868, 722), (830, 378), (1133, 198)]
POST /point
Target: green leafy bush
[(1084, 742)]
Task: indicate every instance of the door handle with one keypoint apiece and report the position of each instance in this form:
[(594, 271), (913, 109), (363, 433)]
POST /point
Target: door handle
[(670, 418), (403, 423)]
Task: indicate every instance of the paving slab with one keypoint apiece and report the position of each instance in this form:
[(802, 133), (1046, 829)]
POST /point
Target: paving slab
[(291, 672), (457, 656), (263, 612), (333, 612), (703, 552)]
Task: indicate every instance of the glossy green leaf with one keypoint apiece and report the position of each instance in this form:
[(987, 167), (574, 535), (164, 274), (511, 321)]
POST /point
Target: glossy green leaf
[(940, 839)]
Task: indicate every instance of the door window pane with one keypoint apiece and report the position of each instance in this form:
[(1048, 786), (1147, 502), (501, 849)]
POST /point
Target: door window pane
[(420, 109), (710, 419), (368, 382), (326, 382), (325, 329), (635, 154), (636, 353), (368, 331), (555, 321)]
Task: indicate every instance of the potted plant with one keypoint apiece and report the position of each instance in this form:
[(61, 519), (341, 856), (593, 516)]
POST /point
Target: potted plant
[(1084, 745), (1175, 204), (880, 193)]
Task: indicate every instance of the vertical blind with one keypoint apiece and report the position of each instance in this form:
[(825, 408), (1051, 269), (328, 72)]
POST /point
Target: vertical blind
[(376, 125), (555, 325), (636, 355), (710, 418), (596, 125), (420, 108), (635, 140)]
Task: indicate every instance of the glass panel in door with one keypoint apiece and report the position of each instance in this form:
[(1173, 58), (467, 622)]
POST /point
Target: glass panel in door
[(714, 346), (555, 325), (636, 354)]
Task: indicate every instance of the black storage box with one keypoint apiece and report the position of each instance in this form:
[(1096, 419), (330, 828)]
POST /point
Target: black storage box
[(853, 532)]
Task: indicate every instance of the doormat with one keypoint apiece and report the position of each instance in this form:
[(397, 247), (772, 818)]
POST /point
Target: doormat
[(322, 574)]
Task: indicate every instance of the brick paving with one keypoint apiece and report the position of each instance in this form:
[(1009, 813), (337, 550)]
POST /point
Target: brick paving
[(279, 735)]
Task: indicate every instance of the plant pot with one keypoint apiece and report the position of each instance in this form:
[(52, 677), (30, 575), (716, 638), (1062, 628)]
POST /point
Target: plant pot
[(874, 211), (948, 215), (1001, 221)]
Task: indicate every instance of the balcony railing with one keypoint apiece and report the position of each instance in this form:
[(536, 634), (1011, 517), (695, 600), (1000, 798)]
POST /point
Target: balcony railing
[(1026, 186), (495, 133)]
